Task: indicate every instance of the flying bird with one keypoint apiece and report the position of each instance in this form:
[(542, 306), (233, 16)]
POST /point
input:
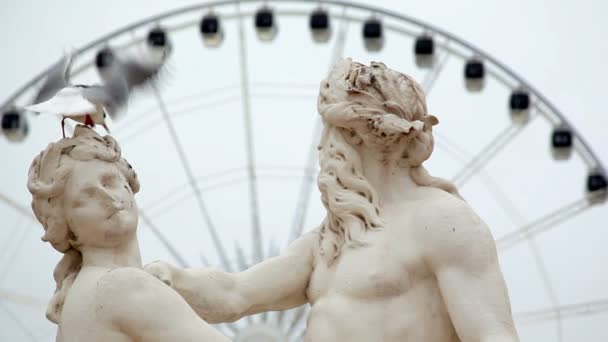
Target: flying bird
[(90, 104)]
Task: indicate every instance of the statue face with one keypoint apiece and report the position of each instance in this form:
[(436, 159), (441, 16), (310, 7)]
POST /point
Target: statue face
[(99, 205)]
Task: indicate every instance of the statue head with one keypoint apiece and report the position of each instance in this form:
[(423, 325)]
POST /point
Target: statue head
[(379, 111), (380, 108), (83, 195)]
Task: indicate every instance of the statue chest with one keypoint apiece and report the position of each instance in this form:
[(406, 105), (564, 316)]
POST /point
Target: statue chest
[(386, 267)]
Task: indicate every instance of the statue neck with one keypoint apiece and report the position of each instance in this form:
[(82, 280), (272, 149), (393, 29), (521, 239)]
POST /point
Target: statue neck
[(383, 171), (123, 255)]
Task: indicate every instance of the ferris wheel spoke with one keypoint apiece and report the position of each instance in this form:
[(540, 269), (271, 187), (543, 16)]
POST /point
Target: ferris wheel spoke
[(16, 227), (18, 322), (22, 299), (544, 274), (300, 331), (181, 113), (203, 259), (273, 249), (178, 201), (280, 316), (299, 315), (20, 209), (213, 181), (517, 219), (181, 187), (256, 233), (9, 261), (241, 260), (163, 240), (300, 336), (432, 75), (192, 181), (228, 329), (543, 224), (486, 154), (306, 188), (565, 311), (134, 118)]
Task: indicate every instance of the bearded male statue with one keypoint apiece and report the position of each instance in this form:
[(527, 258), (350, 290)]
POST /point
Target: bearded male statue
[(400, 256)]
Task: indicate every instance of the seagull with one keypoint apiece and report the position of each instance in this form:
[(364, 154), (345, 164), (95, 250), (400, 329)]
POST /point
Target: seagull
[(88, 104), (91, 104)]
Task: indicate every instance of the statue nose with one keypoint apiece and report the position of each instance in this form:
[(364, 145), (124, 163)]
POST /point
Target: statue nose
[(114, 201), (118, 204)]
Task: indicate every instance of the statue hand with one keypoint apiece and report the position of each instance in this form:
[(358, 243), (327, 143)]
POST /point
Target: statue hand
[(162, 270)]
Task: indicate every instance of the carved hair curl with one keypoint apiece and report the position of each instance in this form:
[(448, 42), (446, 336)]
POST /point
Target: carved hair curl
[(381, 106), (47, 178)]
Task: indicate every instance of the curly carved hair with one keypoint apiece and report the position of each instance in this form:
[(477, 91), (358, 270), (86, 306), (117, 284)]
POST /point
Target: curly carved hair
[(379, 106), (48, 176)]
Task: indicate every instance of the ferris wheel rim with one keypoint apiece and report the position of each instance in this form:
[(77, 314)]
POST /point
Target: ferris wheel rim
[(486, 57)]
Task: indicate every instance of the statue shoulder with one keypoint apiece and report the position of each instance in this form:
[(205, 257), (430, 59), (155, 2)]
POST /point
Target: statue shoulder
[(436, 205), (125, 279), (452, 231), (123, 287), (306, 243)]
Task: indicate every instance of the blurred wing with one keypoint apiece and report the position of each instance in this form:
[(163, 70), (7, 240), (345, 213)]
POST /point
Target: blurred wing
[(68, 102), (126, 71), (56, 79), (144, 64), (113, 94), (139, 73)]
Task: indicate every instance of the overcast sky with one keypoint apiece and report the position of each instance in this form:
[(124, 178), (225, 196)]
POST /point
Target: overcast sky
[(558, 46)]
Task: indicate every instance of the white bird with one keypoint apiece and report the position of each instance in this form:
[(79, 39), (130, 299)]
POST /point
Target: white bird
[(83, 103), (90, 104)]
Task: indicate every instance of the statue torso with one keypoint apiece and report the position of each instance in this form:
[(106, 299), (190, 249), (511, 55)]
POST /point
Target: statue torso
[(383, 291), (81, 319)]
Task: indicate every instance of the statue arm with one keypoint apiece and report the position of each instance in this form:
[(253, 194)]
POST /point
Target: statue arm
[(278, 283), (146, 310), (470, 278)]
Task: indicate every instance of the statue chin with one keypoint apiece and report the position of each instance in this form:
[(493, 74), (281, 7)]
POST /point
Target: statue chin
[(121, 225)]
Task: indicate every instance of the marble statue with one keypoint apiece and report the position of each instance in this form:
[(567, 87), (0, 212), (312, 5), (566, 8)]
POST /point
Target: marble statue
[(400, 256), (83, 195)]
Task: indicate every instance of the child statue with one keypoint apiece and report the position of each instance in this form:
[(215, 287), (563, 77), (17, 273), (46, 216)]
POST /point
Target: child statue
[(83, 195)]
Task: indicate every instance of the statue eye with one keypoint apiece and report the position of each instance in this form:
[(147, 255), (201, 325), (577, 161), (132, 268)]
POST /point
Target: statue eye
[(108, 180), (89, 191)]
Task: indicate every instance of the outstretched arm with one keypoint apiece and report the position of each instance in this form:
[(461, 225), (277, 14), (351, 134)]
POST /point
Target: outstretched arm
[(469, 277), (278, 283), (147, 310)]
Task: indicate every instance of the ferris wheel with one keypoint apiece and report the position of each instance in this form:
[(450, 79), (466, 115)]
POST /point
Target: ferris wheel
[(225, 147)]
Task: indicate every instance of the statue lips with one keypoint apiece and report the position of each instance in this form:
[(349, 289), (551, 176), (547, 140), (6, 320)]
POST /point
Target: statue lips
[(115, 208)]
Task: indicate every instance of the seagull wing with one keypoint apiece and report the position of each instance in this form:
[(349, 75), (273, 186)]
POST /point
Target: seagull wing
[(67, 102), (139, 73), (140, 66), (144, 65), (113, 94), (56, 79)]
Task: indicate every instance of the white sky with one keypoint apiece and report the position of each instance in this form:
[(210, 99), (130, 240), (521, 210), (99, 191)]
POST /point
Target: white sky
[(558, 46)]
